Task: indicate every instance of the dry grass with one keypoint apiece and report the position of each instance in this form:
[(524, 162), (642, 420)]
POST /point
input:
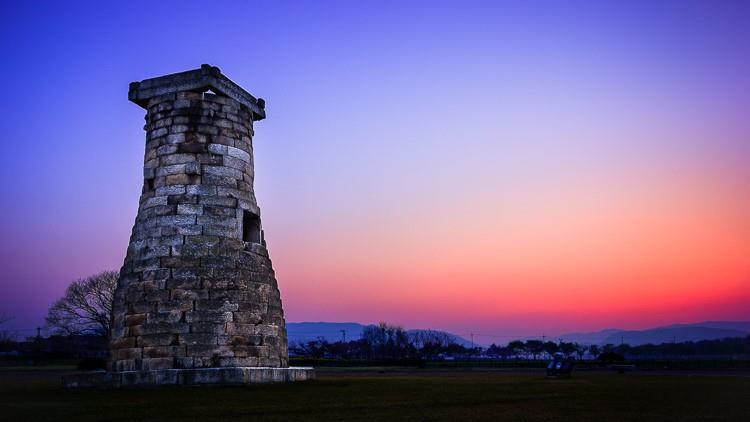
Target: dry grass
[(412, 395)]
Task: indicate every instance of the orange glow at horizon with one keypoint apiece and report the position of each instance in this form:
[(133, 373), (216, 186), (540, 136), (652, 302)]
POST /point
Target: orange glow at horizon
[(621, 248)]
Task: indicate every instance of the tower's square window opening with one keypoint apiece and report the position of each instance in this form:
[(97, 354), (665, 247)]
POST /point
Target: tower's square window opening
[(251, 228)]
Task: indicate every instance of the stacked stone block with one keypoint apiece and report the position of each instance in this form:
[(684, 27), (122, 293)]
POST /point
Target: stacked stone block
[(197, 288)]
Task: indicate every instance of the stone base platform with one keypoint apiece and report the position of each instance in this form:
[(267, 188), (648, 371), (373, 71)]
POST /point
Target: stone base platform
[(187, 377)]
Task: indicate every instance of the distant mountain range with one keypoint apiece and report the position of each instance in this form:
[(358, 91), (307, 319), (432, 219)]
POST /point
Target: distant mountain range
[(707, 330), (331, 331), (297, 332)]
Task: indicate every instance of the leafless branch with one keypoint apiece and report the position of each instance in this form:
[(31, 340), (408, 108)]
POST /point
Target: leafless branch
[(86, 306)]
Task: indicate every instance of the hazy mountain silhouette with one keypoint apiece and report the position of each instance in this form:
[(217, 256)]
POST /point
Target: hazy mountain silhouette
[(725, 325), (596, 337), (331, 331), (297, 332), (707, 330)]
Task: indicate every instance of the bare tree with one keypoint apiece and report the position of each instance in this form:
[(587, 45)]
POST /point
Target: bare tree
[(86, 306), (386, 340), (550, 348), (516, 347), (430, 343), (313, 348), (535, 347), (581, 350), (567, 348), (426, 338), (5, 336), (594, 350)]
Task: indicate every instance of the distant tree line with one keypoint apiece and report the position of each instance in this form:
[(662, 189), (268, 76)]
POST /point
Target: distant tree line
[(535, 349), (83, 314), (389, 342), (538, 349), (731, 346), (386, 342), (5, 336)]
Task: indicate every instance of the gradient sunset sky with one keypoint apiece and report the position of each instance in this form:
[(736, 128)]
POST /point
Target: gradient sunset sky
[(505, 168)]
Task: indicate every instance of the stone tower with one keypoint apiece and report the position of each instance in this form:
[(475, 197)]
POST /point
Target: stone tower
[(197, 300)]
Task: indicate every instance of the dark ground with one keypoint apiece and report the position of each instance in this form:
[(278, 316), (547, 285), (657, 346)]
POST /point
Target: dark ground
[(340, 394)]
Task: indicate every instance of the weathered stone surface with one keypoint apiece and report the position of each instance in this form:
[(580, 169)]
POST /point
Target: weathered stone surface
[(98, 379), (149, 93), (197, 288), (228, 375)]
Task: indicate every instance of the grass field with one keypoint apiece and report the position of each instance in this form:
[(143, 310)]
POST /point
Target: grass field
[(398, 395)]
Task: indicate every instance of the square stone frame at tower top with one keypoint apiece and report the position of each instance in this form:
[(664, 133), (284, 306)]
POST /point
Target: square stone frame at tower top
[(205, 78), (197, 301)]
